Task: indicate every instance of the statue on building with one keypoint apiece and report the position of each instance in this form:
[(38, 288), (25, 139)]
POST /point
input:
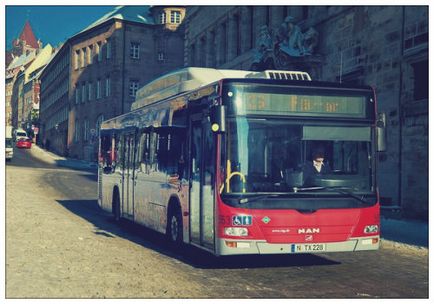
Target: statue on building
[(290, 38), (263, 54), (281, 49), (293, 42)]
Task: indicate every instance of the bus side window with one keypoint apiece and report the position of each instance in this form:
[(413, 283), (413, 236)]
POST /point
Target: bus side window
[(105, 153), (176, 160), (120, 152), (170, 143), (153, 143)]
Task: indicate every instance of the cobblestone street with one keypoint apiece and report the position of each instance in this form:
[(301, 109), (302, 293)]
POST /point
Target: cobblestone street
[(59, 244)]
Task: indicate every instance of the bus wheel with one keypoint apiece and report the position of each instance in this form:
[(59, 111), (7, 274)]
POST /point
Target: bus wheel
[(174, 227), (116, 206)]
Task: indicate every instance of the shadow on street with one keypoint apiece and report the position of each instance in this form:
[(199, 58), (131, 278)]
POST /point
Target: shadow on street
[(106, 226)]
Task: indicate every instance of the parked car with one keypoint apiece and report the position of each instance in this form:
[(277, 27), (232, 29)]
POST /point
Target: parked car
[(19, 134), (24, 143), (9, 143), (9, 149)]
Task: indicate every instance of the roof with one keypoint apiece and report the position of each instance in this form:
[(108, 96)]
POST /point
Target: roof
[(41, 60), (22, 60), (140, 14), (28, 36)]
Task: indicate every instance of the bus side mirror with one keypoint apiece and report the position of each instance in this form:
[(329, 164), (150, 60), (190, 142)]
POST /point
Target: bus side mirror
[(218, 119), (381, 132)]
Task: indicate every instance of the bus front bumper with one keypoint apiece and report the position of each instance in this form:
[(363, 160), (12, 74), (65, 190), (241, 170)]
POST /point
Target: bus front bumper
[(234, 247)]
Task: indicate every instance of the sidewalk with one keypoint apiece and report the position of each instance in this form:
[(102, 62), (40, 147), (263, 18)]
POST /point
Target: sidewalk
[(410, 232), (402, 231), (53, 159)]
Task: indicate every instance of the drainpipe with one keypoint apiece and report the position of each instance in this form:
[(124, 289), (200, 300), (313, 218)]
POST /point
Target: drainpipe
[(401, 116)]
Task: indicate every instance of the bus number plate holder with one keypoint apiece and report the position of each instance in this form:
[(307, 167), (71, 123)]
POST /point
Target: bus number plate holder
[(308, 247)]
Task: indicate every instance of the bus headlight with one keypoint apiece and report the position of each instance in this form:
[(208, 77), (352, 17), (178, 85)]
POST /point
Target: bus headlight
[(371, 229), (236, 231)]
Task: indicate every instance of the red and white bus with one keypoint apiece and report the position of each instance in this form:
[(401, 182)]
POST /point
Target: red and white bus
[(217, 159)]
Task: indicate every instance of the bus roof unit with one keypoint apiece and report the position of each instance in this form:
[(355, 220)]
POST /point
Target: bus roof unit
[(189, 79)]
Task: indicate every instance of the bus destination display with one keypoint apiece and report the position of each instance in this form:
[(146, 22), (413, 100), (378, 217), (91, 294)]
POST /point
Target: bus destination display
[(302, 105)]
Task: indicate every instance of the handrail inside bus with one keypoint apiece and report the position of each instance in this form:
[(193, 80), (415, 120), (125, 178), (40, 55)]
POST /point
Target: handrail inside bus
[(230, 175)]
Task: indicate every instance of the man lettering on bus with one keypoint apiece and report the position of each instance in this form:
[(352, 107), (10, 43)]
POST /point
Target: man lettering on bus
[(316, 167)]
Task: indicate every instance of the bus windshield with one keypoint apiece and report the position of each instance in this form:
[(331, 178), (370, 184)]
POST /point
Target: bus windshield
[(282, 155)]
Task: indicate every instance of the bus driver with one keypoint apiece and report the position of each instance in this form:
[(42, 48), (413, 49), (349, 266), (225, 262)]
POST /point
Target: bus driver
[(316, 167)]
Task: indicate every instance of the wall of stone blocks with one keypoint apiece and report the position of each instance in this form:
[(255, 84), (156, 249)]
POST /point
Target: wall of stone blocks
[(360, 45)]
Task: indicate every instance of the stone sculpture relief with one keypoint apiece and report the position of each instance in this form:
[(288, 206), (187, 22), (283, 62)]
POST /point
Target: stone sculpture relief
[(279, 49)]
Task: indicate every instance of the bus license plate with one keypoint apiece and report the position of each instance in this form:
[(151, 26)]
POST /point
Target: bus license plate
[(308, 247)]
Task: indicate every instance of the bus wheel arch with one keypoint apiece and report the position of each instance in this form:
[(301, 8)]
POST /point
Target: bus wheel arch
[(116, 204), (174, 229)]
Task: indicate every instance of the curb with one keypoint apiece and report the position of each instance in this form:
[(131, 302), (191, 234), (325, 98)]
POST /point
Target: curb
[(53, 159), (397, 245)]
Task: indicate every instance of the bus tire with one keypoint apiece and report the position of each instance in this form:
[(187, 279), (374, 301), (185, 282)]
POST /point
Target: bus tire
[(116, 206), (174, 226)]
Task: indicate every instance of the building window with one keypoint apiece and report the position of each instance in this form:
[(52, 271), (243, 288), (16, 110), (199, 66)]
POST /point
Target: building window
[(90, 55), (89, 91), (99, 50), (224, 42), (238, 29), (98, 89), (134, 86), (83, 92), (202, 58), (76, 131), (109, 49), (83, 57), (420, 71), (252, 26), (305, 12), (86, 130), (192, 55), (107, 87), (160, 56), (175, 17), (98, 123), (162, 18), (135, 50), (77, 59)]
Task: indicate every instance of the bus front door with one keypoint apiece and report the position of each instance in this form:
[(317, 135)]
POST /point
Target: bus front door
[(129, 176), (201, 183)]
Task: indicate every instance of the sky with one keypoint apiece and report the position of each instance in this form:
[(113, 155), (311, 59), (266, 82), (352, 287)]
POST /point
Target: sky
[(51, 24)]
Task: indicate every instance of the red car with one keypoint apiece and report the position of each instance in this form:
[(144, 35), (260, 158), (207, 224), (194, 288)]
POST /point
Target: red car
[(24, 143)]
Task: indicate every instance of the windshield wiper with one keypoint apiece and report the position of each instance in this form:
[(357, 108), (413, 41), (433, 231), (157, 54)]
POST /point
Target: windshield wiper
[(341, 190), (253, 198)]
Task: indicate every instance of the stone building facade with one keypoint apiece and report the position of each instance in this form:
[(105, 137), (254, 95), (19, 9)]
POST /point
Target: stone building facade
[(382, 46), (97, 72)]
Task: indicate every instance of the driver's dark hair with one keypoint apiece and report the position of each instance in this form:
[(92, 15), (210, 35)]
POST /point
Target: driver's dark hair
[(318, 153)]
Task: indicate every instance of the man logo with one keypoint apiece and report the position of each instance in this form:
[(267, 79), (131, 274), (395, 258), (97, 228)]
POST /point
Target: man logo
[(308, 230), (308, 238)]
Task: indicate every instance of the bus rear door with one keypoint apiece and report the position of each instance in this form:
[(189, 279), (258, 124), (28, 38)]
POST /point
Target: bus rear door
[(129, 175)]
